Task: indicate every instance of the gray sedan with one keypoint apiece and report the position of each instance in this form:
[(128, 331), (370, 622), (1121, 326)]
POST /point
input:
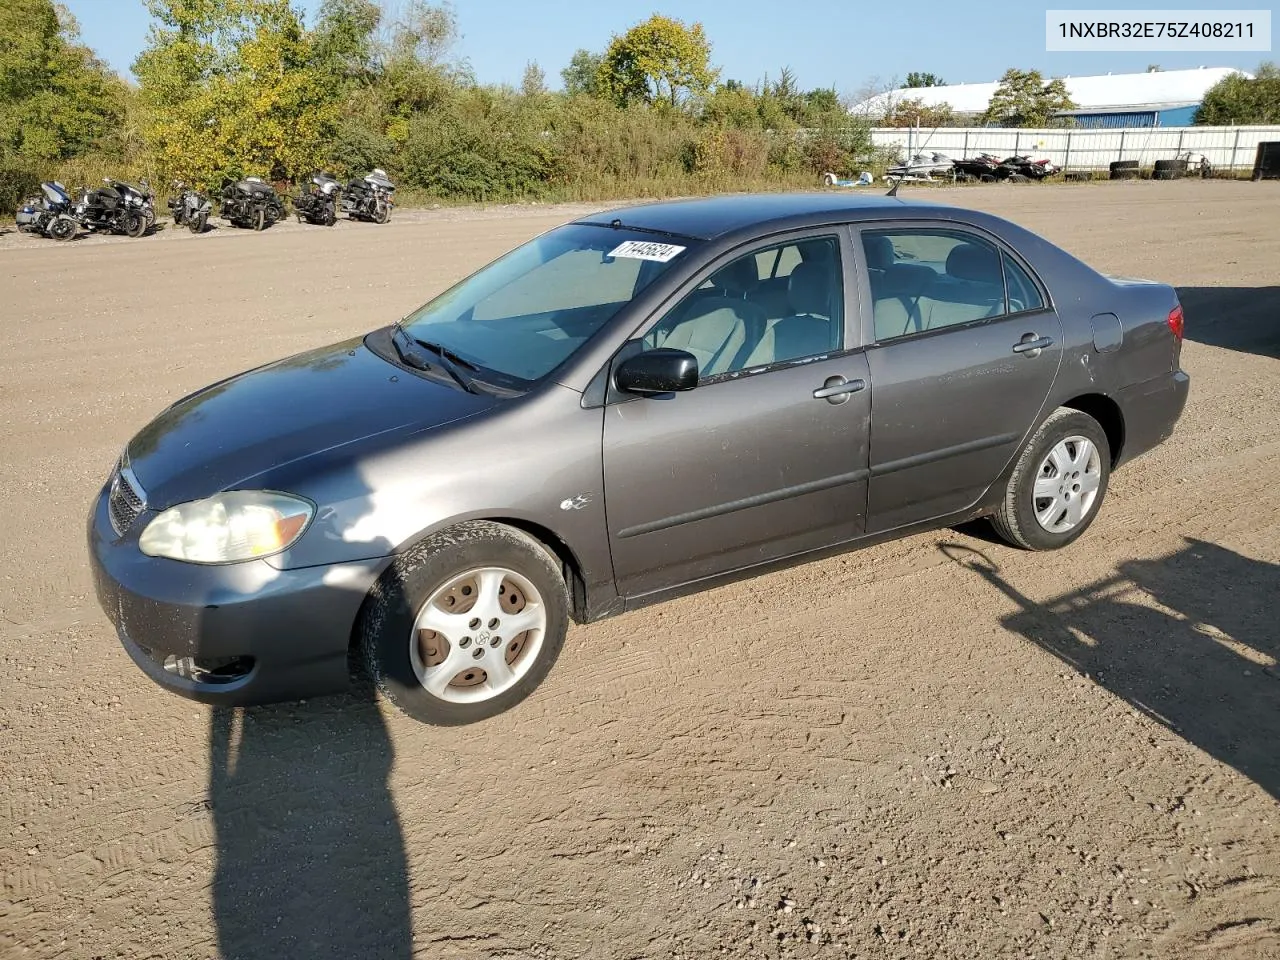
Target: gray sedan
[(632, 406)]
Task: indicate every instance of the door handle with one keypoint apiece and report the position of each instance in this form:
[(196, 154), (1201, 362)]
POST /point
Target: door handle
[(837, 389), (1032, 347)]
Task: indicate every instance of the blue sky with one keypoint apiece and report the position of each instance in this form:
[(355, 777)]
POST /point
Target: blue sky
[(824, 42)]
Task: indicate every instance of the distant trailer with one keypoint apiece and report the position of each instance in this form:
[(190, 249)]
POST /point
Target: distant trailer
[(1267, 164)]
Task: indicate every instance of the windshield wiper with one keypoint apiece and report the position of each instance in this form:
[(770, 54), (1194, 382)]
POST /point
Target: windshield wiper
[(450, 362)]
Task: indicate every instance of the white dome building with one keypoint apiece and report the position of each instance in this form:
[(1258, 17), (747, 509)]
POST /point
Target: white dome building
[(1159, 98)]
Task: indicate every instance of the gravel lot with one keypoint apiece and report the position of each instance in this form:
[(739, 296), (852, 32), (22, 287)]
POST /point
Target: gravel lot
[(935, 748)]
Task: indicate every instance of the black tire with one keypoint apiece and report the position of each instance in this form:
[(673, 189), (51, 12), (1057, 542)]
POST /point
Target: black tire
[(388, 617), (988, 178), (381, 212), (1015, 521), (259, 219), (1177, 169), (1018, 178), (1124, 170), (196, 223), (135, 225), (63, 228)]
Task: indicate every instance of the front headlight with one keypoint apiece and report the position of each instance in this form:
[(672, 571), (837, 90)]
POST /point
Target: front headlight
[(238, 525)]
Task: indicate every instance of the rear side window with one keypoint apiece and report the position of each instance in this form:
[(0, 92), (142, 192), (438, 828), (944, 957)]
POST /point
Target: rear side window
[(929, 279), (1023, 293)]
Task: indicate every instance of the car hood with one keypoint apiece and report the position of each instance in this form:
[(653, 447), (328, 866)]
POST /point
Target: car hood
[(303, 407)]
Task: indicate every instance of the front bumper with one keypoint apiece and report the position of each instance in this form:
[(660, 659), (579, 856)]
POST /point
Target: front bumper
[(1151, 410), (232, 635)]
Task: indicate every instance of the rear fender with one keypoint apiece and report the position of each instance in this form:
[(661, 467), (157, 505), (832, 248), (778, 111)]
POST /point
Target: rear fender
[(1148, 347)]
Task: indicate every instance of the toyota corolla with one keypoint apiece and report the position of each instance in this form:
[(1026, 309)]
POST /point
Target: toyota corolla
[(638, 404)]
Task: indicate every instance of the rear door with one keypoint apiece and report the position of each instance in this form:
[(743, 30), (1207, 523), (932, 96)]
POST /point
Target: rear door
[(767, 456), (964, 348)]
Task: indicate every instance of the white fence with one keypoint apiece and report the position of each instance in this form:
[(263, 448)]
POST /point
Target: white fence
[(1228, 148)]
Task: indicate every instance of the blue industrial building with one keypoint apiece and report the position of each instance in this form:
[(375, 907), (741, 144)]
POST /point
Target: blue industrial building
[(1162, 115)]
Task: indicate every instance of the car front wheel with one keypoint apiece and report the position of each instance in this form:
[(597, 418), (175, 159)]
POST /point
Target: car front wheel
[(1058, 483), (466, 624)]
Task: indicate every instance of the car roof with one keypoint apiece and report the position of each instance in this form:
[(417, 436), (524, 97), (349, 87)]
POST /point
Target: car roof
[(711, 217)]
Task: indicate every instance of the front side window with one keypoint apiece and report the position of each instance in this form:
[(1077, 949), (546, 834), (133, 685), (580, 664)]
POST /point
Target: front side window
[(925, 280), (523, 315), (780, 303)]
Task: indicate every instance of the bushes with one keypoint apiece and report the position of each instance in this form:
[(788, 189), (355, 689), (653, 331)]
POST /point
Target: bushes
[(16, 184), (480, 146), (726, 151)]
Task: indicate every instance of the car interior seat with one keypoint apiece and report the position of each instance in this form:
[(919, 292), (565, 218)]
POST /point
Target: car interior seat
[(718, 324), (972, 288), (912, 297), (813, 326)]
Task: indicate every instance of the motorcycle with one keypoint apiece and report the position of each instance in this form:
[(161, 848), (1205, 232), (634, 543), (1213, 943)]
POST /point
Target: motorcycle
[(251, 203), (109, 210), (369, 198), (317, 201), (1023, 168), (138, 196), (984, 167), (50, 214), (189, 208)]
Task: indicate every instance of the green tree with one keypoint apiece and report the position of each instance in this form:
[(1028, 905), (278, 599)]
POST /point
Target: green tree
[(57, 100), (1025, 99), (916, 113), (345, 41), (1235, 99), (658, 61), (534, 82), (581, 76), (233, 89), (925, 80)]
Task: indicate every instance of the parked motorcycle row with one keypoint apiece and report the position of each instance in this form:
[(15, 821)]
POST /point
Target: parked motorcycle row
[(129, 209), (115, 207)]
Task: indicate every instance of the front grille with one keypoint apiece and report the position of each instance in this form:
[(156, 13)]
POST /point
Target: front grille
[(125, 502)]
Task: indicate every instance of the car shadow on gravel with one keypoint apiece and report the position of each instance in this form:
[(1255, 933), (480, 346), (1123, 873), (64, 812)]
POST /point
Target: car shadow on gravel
[(1236, 318), (1189, 639)]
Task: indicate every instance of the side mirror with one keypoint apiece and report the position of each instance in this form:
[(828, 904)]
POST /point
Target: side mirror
[(658, 371)]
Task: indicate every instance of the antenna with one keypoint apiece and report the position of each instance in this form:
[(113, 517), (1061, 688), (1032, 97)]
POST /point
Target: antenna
[(893, 191)]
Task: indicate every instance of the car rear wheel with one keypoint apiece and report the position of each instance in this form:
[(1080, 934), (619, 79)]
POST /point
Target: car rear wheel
[(466, 624), (1058, 483)]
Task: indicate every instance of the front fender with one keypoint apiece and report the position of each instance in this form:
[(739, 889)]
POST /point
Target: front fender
[(536, 462)]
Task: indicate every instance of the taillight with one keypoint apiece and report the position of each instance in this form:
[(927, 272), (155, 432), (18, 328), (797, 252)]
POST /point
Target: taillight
[(1176, 321)]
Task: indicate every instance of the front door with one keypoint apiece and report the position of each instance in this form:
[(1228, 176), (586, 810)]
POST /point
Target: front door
[(966, 350), (767, 456)]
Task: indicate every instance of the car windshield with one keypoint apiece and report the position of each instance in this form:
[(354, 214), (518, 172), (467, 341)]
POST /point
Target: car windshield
[(526, 313)]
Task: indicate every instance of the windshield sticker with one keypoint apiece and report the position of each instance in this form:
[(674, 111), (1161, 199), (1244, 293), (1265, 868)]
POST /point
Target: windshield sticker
[(644, 250)]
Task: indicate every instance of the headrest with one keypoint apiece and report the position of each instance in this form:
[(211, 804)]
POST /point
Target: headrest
[(809, 289), (736, 278), (879, 251), (970, 261), (817, 251)]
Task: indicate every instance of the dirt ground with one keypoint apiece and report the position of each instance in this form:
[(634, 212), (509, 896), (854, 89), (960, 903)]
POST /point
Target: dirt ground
[(935, 748)]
